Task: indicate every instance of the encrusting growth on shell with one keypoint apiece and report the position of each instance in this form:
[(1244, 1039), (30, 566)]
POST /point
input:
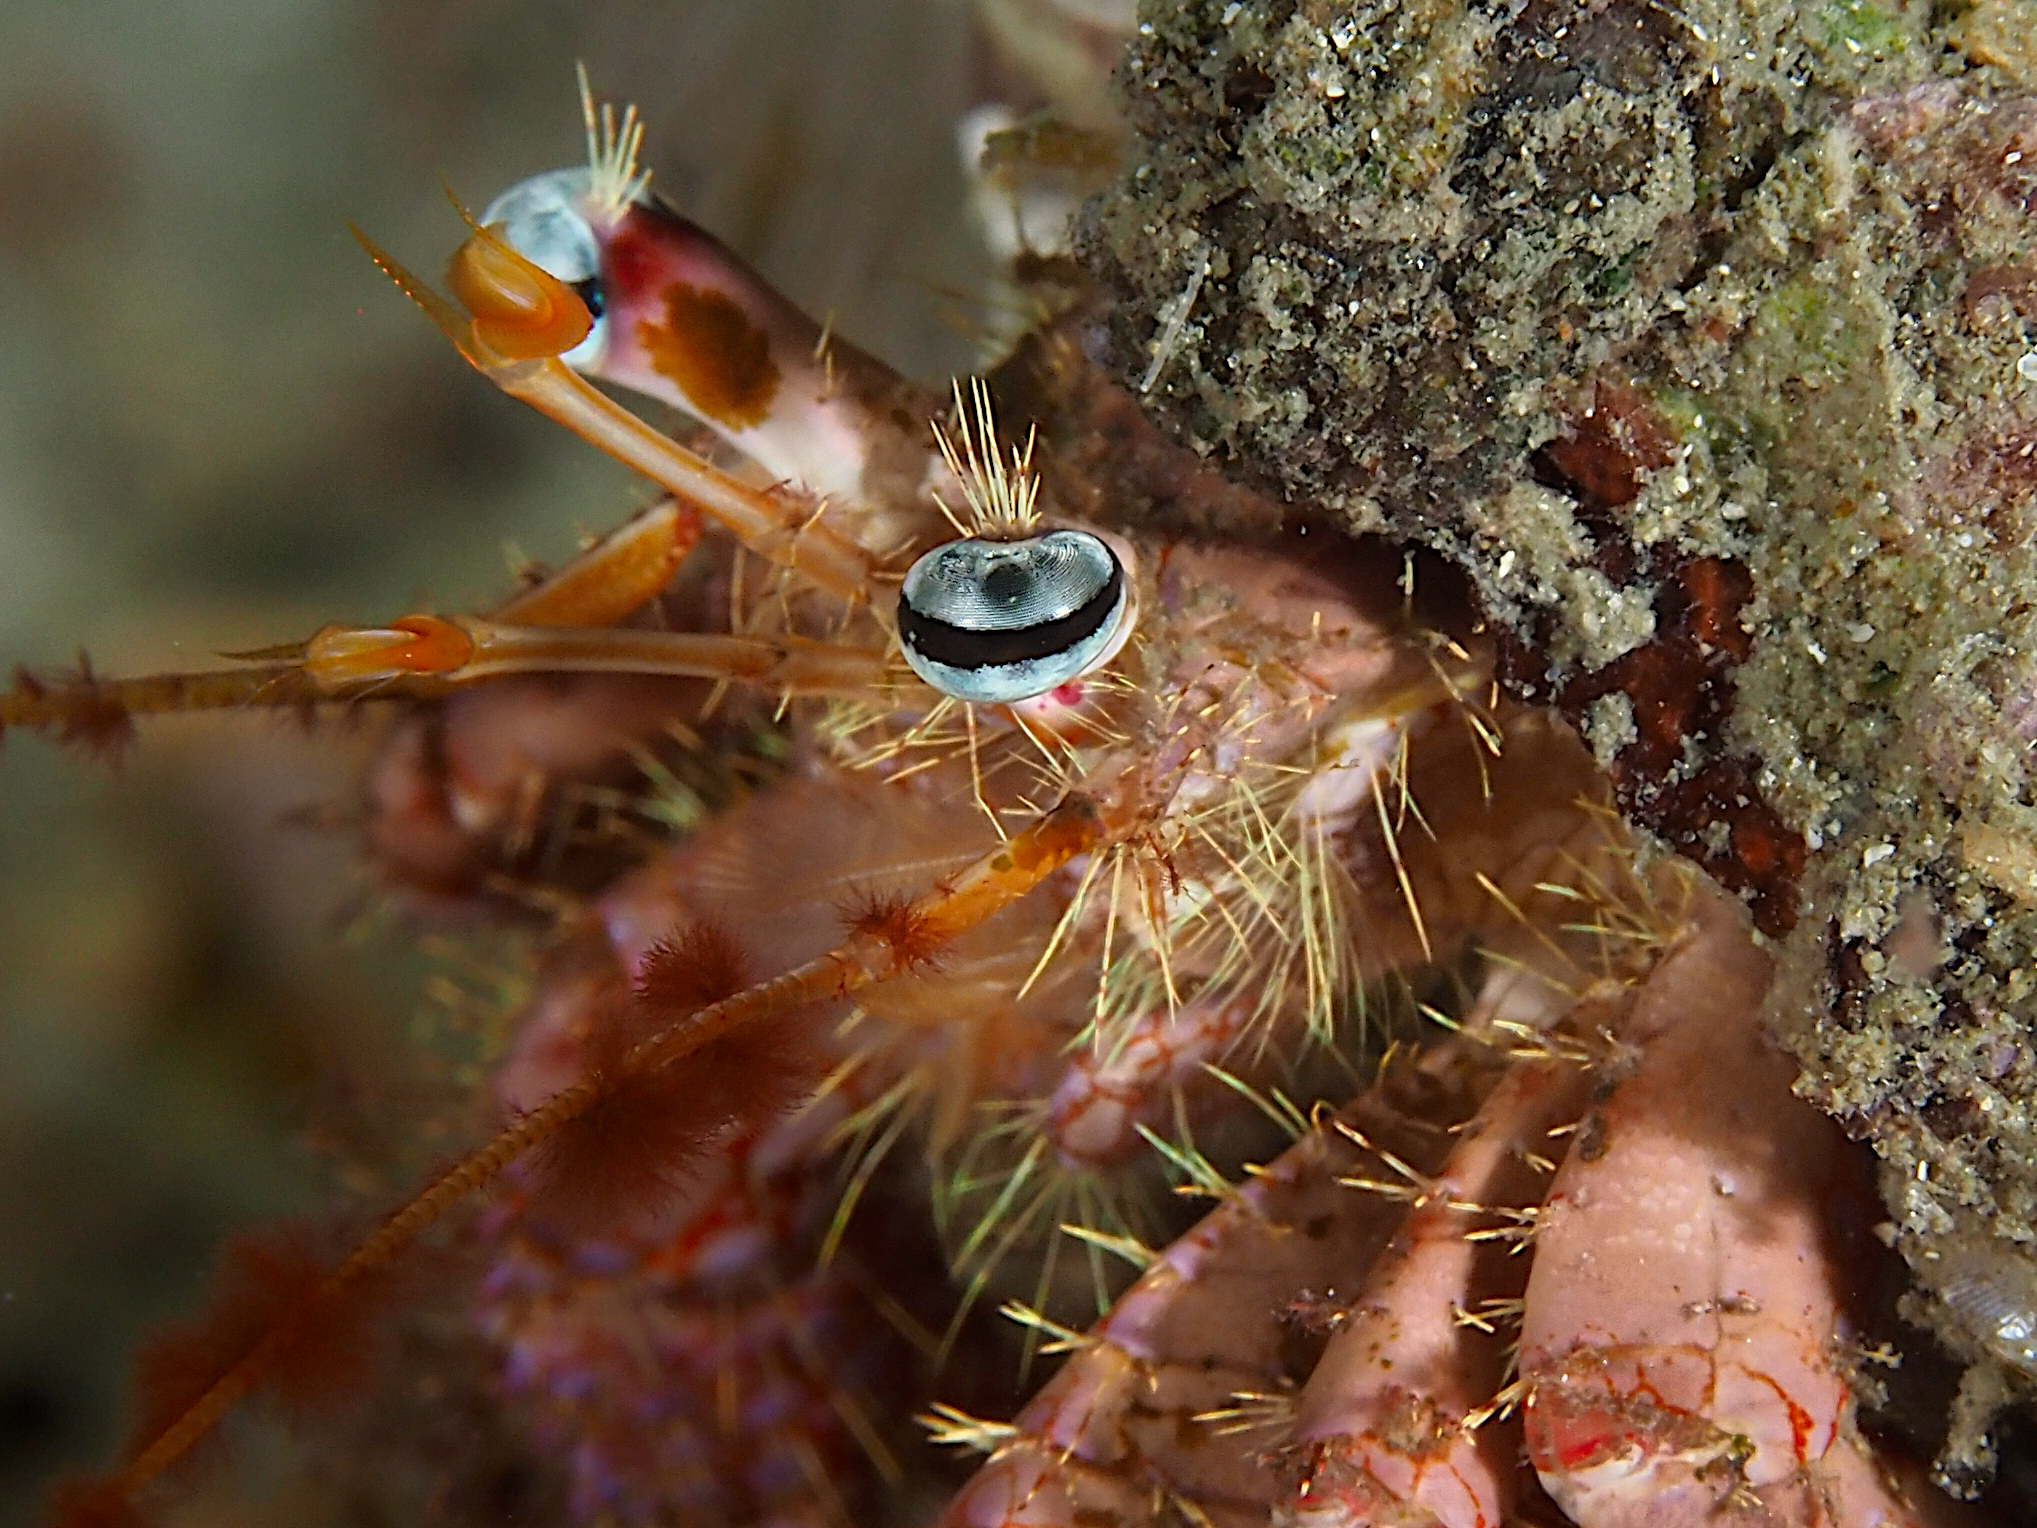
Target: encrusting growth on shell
[(1700, 337)]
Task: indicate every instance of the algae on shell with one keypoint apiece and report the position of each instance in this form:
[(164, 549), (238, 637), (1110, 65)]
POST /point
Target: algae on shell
[(1704, 338)]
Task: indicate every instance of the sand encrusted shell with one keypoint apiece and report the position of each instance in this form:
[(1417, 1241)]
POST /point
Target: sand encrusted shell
[(1705, 340)]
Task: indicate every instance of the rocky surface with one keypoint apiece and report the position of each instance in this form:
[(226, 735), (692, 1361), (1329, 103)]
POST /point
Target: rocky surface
[(1704, 338)]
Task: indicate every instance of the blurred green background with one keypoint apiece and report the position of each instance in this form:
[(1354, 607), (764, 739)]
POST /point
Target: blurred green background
[(221, 428)]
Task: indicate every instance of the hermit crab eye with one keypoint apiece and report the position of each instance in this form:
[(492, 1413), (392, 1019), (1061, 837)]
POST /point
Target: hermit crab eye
[(541, 219), (995, 621)]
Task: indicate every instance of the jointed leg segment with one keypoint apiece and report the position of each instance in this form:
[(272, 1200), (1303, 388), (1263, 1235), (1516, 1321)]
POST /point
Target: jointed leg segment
[(562, 624), (619, 574), (352, 660)]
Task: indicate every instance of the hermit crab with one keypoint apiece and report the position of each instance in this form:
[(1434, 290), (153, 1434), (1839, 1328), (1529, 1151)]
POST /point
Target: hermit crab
[(1097, 911)]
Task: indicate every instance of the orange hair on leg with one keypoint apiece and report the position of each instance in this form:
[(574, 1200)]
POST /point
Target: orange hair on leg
[(633, 1148)]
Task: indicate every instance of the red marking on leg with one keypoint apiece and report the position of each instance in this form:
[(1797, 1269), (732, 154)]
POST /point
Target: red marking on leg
[(1566, 1434), (1801, 1425), (1584, 1414)]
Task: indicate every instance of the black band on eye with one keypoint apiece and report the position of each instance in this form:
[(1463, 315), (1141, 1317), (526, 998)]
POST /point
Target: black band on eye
[(961, 648), (590, 293)]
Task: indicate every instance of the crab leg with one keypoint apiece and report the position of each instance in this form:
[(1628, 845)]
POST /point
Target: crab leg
[(1101, 1099), (1156, 1409), (1389, 1429), (783, 525), (1687, 1306), (622, 572), (345, 660)]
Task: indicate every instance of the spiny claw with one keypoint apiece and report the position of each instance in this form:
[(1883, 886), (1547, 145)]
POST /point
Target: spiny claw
[(455, 325)]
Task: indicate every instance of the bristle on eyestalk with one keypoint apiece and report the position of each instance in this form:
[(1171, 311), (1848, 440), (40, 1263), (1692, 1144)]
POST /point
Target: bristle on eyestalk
[(1002, 497), (632, 1149), (612, 148)]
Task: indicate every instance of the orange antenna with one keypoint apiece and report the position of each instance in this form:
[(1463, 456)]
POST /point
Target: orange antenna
[(600, 1119)]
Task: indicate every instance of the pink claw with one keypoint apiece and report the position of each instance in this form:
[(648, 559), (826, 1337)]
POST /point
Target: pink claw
[(1687, 1310), (1389, 1426), (1136, 1418)]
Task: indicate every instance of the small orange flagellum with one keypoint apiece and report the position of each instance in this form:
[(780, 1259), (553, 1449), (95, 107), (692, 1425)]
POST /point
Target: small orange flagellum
[(340, 658), (521, 312)]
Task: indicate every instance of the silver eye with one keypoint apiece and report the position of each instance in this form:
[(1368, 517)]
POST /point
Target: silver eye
[(542, 221), (997, 621)]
